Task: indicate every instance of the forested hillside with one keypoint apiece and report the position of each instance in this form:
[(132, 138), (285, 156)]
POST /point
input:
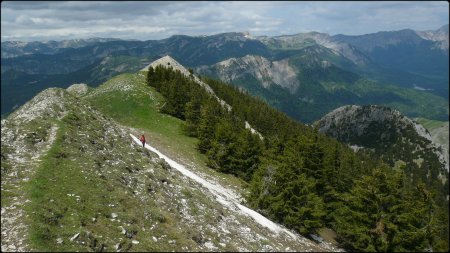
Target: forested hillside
[(302, 178)]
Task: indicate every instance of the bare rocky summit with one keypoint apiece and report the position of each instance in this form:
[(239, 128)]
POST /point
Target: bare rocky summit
[(78, 89), (440, 36)]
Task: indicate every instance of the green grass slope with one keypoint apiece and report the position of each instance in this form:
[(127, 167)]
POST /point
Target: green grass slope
[(132, 103)]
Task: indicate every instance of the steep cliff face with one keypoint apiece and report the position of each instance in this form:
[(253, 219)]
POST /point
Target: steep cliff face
[(389, 134), (265, 71), (440, 36)]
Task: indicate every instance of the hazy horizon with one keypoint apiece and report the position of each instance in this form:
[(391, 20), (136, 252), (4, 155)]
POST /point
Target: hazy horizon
[(186, 35)]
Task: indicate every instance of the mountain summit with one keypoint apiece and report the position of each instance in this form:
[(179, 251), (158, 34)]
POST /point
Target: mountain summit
[(168, 61), (440, 35)]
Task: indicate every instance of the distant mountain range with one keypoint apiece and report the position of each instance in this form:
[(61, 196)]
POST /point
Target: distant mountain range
[(313, 73), (18, 48), (305, 75)]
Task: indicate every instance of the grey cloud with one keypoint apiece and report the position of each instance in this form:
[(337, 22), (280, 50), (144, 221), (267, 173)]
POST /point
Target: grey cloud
[(157, 20), (27, 5)]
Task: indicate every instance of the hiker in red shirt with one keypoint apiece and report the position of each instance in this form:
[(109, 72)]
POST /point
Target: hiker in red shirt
[(142, 139)]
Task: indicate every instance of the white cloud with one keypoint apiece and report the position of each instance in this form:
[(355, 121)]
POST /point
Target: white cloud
[(157, 20)]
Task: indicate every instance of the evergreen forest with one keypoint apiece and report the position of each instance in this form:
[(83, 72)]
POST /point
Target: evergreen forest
[(304, 179)]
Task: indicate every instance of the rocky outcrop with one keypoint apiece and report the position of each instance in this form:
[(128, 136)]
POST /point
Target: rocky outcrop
[(384, 130), (27, 134), (265, 71), (78, 89), (441, 36)]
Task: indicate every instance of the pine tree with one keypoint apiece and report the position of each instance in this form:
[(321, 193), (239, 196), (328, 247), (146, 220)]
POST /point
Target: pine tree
[(383, 215), (223, 147), (151, 76), (192, 115), (295, 203), (306, 208), (209, 114)]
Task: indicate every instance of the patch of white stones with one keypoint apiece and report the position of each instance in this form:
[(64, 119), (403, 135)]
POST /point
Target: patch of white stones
[(23, 160), (48, 103)]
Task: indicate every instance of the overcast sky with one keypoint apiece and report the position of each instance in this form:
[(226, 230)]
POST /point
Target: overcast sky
[(28, 21)]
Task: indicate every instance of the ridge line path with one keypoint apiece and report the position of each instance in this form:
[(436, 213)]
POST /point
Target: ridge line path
[(227, 198)]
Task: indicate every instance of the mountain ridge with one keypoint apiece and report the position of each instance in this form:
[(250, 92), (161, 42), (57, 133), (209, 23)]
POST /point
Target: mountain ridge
[(18, 48), (128, 176)]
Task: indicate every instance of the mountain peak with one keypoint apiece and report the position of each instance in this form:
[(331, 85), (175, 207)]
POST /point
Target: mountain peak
[(167, 61), (444, 28), (440, 36)]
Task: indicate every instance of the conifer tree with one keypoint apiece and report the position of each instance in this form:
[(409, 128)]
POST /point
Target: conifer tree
[(209, 113), (382, 215), (222, 147), (246, 154), (192, 115)]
